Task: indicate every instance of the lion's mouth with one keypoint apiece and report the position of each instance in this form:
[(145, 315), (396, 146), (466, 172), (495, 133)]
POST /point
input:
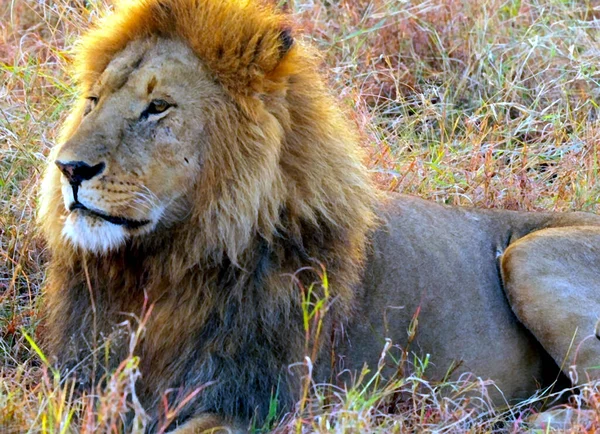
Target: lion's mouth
[(120, 221)]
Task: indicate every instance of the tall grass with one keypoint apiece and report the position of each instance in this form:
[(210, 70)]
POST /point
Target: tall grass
[(490, 103)]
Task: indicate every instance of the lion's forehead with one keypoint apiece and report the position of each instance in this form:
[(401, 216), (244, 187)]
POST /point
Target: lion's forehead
[(149, 60), (119, 70)]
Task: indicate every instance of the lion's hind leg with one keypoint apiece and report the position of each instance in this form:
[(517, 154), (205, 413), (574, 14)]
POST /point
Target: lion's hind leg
[(552, 281)]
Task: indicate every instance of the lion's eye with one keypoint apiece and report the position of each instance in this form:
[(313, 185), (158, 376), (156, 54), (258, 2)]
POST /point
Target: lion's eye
[(155, 107)]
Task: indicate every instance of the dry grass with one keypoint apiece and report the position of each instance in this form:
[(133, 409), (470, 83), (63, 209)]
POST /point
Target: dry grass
[(490, 103)]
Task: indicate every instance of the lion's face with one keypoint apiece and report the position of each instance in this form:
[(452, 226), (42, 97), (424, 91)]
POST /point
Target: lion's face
[(137, 146)]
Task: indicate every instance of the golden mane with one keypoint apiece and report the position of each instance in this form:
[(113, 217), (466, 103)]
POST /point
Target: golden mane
[(289, 191)]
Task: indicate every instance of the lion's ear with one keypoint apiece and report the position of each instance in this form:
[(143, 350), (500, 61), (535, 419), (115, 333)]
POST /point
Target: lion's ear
[(255, 63), (287, 41), (247, 45)]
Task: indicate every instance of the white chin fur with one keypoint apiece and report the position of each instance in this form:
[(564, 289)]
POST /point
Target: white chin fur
[(92, 234)]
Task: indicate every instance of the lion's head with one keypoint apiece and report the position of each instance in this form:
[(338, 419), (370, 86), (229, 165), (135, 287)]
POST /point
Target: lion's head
[(207, 113)]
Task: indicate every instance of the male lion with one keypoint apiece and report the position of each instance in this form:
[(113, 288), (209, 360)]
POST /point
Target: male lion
[(206, 164)]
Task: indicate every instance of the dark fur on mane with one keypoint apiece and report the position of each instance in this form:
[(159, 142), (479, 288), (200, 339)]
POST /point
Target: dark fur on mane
[(241, 347)]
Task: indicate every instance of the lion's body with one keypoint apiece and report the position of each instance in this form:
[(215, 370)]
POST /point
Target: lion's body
[(441, 264), (206, 172)]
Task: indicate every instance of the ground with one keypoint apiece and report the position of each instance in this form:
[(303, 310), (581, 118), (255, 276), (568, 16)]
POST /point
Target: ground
[(489, 103)]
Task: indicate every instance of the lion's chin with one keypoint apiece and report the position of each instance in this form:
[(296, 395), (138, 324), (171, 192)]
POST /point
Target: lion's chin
[(93, 234)]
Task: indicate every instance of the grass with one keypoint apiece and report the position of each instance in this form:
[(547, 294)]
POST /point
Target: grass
[(490, 103)]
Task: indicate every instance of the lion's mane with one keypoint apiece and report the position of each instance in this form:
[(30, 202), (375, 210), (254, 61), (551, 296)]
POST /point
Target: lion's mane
[(290, 192)]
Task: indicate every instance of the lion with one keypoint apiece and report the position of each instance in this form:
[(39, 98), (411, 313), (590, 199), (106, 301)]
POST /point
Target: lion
[(207, 172)]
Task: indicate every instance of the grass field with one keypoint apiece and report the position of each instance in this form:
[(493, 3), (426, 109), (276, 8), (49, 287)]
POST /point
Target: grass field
[(490, 103)]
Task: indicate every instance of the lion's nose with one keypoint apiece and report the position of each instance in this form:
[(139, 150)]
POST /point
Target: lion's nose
[(78, 171)]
